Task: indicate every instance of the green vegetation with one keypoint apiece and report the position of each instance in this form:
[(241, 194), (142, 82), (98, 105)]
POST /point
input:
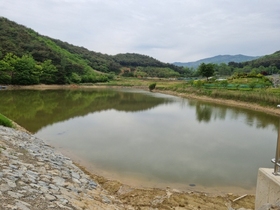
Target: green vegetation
[(258, 89), (39, 59), (266, 65), (29, 107), (252, 90), (206, 70), (266, 61), (4, 121), (28, 58), (152, 86), (161, 72)]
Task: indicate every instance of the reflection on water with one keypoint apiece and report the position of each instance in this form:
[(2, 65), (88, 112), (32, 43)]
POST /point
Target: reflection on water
[(36, 109), (163, 138)]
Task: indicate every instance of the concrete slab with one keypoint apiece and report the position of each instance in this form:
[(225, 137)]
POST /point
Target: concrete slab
[(268, 187)]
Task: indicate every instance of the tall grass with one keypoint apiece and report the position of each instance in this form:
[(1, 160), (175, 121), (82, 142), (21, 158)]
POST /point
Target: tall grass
[(261, 97), (5, 121), (264, 97)]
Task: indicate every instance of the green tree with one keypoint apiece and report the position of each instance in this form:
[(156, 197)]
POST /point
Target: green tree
[(7, 68), (75, 78), (48, 75), (253, 73), (206, 70), (223, 69), (111, 75), (26, 72), (5, 72)]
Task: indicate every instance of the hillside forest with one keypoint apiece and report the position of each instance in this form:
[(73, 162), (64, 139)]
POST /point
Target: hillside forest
[(28, 58)]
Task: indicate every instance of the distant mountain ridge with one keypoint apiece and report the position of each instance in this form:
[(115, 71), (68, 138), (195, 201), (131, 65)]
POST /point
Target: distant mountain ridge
[(218, 59)]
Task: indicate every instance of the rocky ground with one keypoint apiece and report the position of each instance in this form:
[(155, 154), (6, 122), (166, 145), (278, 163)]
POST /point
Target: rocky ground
[(34, 176)]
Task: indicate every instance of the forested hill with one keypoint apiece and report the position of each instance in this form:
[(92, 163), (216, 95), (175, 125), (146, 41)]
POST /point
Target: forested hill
[(146, 66), (30, 58), (27, 57), (266, 61)]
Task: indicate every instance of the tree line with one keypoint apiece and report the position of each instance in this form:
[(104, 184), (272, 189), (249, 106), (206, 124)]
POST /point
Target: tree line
[(25, 70), (232, 68), (66, 63)]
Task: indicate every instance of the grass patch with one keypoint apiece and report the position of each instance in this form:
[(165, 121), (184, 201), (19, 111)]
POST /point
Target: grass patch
[(5, 121), (265, 97)]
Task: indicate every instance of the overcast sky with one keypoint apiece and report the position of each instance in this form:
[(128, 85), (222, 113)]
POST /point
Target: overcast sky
[(168, 30)]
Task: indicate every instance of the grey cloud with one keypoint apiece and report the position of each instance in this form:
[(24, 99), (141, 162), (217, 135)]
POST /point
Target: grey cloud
[(177, 30)]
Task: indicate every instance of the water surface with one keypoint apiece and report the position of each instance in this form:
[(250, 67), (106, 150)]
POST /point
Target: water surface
[(149, 136)]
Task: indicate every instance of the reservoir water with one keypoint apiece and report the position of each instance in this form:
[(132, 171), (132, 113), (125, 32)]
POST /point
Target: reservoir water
[(148, 138)]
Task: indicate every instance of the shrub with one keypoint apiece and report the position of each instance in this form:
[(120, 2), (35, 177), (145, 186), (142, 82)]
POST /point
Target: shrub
[(5, 121), (260, 75), (191, 82), (152, 86), (198, 83)]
